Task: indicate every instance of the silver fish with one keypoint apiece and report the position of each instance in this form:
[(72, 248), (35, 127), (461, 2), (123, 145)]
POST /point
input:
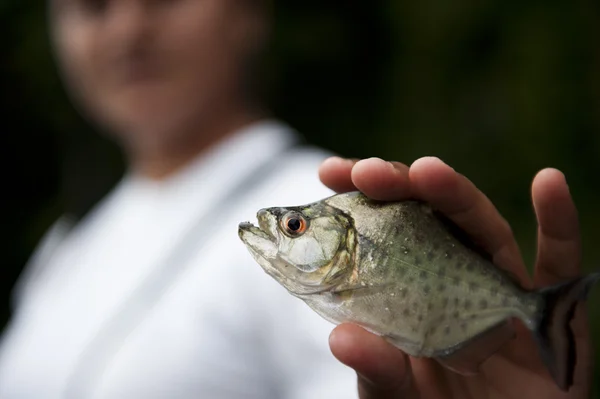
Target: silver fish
[(403, 271)]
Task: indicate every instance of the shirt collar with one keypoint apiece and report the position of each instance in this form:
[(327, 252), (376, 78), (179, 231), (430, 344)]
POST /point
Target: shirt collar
[(219, 169)]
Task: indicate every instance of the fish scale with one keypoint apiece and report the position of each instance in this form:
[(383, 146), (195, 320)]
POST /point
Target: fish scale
[(445, 264), (403, 271)]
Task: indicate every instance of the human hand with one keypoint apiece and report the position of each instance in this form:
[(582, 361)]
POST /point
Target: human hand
[(516, 371)]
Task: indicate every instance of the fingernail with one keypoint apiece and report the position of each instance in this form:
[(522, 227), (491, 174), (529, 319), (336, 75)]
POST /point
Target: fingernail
[(565, 180), (440, 160), (432, 159), (557, 171), (350, 161), (341, 160), (399, 166)]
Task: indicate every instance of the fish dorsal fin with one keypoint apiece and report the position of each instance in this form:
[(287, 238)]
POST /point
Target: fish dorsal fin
[(468, 358), (460, 235)]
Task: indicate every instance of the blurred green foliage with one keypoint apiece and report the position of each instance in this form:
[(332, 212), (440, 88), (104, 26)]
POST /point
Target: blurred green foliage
[(498, 89)]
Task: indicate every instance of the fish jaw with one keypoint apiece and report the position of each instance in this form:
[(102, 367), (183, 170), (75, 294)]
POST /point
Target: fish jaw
[(264, 238), (267, 223), (261, 241)]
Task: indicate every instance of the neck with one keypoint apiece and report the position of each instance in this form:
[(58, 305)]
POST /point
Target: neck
[(160, 159)]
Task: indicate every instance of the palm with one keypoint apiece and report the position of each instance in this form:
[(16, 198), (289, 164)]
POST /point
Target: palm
[(514, 372)]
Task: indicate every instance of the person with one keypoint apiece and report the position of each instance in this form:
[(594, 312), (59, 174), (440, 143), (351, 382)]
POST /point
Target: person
[(153, 295)]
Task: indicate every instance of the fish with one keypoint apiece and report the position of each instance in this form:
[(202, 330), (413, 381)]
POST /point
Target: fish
[(404, 271)]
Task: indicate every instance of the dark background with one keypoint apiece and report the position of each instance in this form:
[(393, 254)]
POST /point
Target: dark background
[(498, 89)]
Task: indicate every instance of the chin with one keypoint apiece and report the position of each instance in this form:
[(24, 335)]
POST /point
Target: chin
[(143, 108), (154, 127), (153, 115)]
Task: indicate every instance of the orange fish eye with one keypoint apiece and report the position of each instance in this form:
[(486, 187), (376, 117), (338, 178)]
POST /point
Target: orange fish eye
[(294, 224)]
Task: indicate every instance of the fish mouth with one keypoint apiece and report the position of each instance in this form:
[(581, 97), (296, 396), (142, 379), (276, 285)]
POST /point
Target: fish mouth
[(261, 240), (246, 228), (265, 229), (267, 226)]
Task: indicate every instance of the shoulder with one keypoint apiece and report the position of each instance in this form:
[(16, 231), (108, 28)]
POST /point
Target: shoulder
[(33, 270), (293, 178)]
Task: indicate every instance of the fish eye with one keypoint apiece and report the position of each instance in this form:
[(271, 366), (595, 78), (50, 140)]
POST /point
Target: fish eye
[(294, 224)]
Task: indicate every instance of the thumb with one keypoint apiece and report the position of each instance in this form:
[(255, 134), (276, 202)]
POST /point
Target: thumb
[(383, 370)]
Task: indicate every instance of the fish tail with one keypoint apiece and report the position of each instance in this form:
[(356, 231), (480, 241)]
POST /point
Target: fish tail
[(553, 333)]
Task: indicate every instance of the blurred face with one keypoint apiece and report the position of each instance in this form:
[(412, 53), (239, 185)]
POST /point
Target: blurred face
[(150, 70)]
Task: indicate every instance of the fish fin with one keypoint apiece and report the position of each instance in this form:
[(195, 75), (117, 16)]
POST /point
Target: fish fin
[(404, 344), (459, 234), (467, 359), (553, 334), (359, 289), (462, 237)]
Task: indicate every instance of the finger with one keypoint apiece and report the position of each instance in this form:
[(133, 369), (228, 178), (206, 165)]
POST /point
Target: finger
[(523, 375), (559, 242), (454, 195), (381, 180), (584, 353), (335, 173), (383, 371), (559, 259), (508, 379)]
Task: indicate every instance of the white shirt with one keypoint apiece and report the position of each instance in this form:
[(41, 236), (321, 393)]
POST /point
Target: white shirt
[(153, 295)]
